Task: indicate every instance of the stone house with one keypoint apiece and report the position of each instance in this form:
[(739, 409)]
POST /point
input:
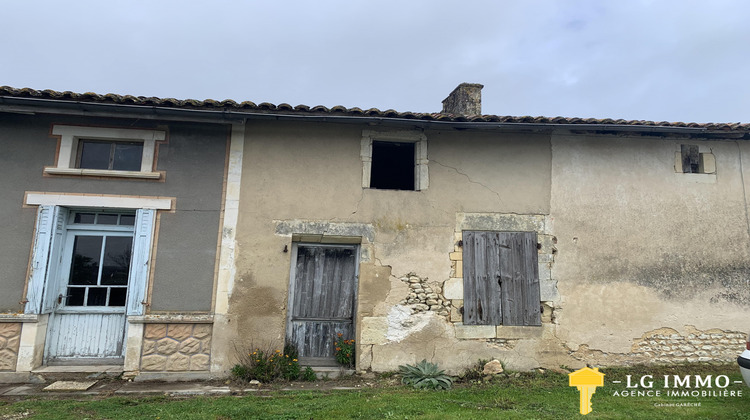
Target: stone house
[(450, 236)]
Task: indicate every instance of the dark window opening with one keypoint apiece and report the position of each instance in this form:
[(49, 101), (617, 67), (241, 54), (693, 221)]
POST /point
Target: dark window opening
[(690, 159), (392, 166), (110, 155)]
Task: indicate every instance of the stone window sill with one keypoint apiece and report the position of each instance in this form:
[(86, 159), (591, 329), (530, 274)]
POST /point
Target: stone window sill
[(102, 173)]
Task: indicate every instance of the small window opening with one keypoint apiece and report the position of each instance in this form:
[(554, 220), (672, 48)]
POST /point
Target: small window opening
[(392, 166), (690, 159), (110, 155)]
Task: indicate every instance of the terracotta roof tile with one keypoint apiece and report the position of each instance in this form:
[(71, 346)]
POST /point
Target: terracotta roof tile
[(265, 107)]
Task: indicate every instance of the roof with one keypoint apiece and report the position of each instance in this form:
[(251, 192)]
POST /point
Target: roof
[(229, 105)]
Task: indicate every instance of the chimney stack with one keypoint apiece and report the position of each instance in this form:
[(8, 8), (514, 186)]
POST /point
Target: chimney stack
[(465, 100)]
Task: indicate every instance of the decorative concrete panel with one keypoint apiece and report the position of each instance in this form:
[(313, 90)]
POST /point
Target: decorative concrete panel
[(10, 337), (176, 347)]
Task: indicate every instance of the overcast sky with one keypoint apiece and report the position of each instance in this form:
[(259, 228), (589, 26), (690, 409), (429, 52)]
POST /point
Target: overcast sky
[(674, 60)]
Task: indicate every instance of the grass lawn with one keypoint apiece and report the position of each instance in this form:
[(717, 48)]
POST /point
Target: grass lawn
[(529, 396)]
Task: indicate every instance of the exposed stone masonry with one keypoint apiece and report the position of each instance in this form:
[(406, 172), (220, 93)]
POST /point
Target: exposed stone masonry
[(668, 345), (176, 347), (424, 297), (10, 338)]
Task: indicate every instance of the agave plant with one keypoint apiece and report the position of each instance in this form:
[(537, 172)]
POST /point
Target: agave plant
[(425, 375)]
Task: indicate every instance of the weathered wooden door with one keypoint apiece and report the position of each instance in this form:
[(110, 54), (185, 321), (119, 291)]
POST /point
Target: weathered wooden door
[(322, 298), (501, 278)]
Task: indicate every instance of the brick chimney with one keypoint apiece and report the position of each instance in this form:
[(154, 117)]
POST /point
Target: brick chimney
[(465, 100)]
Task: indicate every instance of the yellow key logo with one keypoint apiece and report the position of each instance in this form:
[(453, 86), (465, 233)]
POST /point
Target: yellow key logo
[(586, 380)]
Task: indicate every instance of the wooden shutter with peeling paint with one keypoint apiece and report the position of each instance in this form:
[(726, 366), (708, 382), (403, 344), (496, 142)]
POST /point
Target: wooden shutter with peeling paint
[(501, 278), (140, 262), (42, 285)]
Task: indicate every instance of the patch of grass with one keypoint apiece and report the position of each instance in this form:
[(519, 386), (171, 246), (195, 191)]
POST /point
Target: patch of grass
[(528, 396)]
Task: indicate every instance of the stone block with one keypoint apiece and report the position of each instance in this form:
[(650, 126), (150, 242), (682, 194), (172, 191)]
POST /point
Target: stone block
[(374, 330), (456, 314), (154, 362), (166, 346), (454, 288), (13, 343), (10, 329), (547, 242), (707, 163), (456, 256), (178, 362), (180, 331), (8, 359), (475, 331), (155, 331), (548, 290), (545, 271), (493, 367), (519, 332), (200, 362), (459, 269), (149, 347), (190, 346), (202, 330)]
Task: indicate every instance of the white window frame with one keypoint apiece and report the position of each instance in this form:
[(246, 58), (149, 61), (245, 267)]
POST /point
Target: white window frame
[(421, 175), (70, 136), (50, 233)]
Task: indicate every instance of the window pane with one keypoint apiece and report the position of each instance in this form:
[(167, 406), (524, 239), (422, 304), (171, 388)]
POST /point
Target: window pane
[(128, 156), (117, 296), (97, 296), (127, 220), (116, 260), (75, 296), (94, 155), (87, 218), (106, 219), (85, 266)]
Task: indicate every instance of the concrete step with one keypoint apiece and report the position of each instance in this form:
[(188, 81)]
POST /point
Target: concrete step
[(331, 372)]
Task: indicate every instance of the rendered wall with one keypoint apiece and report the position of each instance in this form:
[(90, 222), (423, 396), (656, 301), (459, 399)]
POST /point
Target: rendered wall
[(652, 264), (193, 159), (307, 178)]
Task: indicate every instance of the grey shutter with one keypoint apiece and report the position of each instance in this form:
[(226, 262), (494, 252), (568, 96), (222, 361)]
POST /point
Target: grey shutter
[(482, 290), (45, 259), (501, 278), (140, 260), (519, 273)]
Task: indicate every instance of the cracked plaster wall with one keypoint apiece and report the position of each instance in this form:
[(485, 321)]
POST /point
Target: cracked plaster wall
[(310, 174), (642, 248)]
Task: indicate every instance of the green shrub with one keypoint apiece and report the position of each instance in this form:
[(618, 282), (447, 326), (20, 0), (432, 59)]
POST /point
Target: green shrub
[(267, 365), (344, 351), (309, 375), (425, 375)]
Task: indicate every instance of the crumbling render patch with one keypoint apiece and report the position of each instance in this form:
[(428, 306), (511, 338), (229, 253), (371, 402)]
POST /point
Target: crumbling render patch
[(424, 297), (402, 323)]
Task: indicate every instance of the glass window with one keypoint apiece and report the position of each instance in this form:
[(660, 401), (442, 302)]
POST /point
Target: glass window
[(100, 259), (112, 155)]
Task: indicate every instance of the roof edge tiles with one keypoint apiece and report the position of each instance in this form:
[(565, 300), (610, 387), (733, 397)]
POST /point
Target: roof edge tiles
[(229, 105)]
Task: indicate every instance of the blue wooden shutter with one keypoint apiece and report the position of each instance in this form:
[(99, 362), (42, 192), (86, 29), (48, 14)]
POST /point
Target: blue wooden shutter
[(52, 282), (45, 259), (140, 260)]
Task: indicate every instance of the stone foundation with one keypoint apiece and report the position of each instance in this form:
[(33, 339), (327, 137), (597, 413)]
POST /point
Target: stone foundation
[(668, 345), (10, 338), (176, 347)]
